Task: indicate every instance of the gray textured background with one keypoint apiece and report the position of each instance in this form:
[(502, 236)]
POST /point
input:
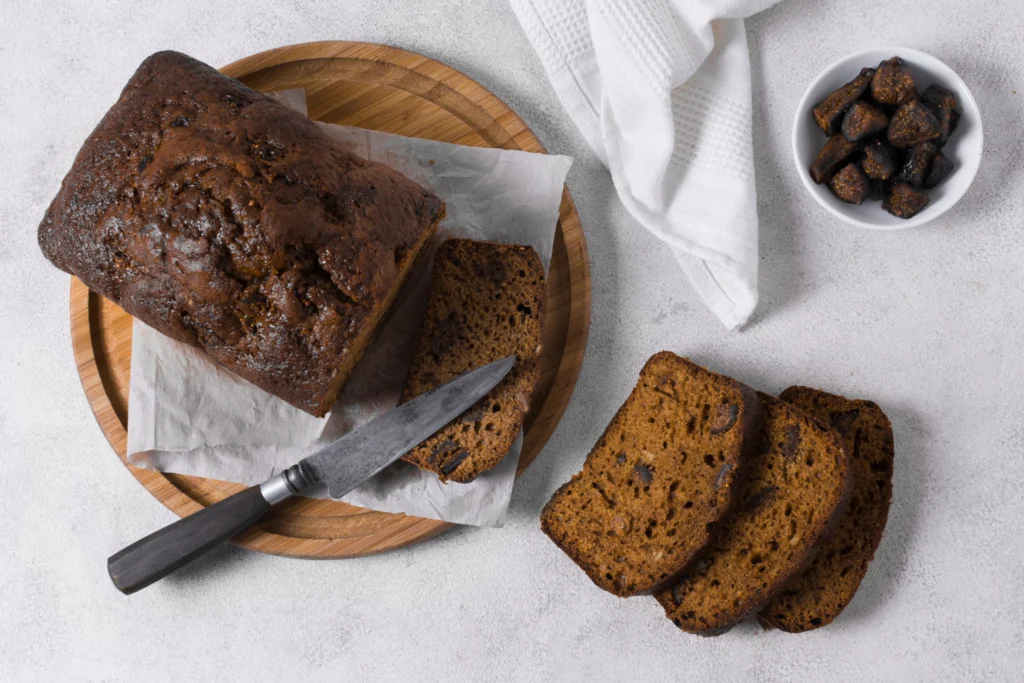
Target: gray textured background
[(928, 323)]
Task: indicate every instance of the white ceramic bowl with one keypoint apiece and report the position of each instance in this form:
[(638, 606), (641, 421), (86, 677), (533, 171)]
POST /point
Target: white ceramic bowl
[(963, 148)]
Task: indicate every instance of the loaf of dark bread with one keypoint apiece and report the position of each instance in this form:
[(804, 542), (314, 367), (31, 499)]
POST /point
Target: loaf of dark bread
[(665, 471), (821, 592), (486, 303), (795, 491), (227, 221)]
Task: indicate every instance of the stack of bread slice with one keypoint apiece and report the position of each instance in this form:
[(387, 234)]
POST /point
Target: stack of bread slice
[(726, 504)]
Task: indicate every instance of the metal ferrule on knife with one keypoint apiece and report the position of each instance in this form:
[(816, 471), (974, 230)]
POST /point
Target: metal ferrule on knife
[(286, 484)]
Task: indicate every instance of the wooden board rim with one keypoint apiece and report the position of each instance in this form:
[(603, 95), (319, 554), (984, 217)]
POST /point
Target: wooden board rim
[(400, 529)]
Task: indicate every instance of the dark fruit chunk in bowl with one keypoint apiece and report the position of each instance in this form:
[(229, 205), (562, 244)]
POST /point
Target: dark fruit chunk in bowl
[(880, 160), (944, 105), (837, 149), (919, 160), (829, 112), (864, 120), (850, 184), (892, 83), (913, 124), (940, 169), (904, 201), (879, 189)]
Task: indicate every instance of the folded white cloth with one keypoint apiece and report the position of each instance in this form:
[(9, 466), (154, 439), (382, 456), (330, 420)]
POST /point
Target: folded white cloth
[(661, 91)]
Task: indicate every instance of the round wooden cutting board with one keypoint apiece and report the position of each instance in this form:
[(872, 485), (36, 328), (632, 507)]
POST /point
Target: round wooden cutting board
[(387, 89)]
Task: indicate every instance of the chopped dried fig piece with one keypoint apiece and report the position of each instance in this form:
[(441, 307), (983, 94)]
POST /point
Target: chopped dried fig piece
[(792, 442), (880, 160), (919, 159), (644, 472), (836, 151), (864, 120), (850, 184), (879, 189), (725, 417), (454, 462), (829, 112), (723, 473), (937, 96), (904, 201), (913, 123), (892, 83), (946, 108), (939, 170)]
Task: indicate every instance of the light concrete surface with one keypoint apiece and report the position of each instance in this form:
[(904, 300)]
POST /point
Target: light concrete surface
[(929, 323)]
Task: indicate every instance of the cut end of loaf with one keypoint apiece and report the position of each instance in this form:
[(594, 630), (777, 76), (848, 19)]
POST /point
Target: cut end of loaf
[(486, 303), (405, 267)]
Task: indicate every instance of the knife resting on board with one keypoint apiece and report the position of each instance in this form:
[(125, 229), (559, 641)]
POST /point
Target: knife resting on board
[(342, 465)]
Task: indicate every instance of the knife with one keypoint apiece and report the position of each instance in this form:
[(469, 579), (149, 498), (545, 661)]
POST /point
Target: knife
[(342, 465)]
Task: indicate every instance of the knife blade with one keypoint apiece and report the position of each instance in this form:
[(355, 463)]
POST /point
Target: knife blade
[(341, 465), (390, 436)]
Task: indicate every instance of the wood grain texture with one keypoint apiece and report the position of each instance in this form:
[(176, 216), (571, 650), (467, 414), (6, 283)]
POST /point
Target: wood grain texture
[(387, 89)]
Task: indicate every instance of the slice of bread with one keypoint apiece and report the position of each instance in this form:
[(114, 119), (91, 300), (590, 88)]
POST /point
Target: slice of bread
[(794, 493), (818, 595), (665, 470), (486, 303)]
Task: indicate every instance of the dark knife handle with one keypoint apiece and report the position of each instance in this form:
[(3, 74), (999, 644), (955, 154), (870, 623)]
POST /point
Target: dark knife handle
[(164, 551)]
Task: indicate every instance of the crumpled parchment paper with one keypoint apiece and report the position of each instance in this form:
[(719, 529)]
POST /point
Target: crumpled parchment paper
[(189, 416)]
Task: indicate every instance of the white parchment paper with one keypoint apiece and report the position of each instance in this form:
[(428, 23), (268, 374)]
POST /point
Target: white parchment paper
[(189, 416)]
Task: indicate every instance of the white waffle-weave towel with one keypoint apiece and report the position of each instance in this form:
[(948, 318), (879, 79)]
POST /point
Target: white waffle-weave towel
[(661, 91)]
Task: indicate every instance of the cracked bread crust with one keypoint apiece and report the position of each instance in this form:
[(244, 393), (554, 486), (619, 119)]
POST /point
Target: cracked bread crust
[(225, 220)]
